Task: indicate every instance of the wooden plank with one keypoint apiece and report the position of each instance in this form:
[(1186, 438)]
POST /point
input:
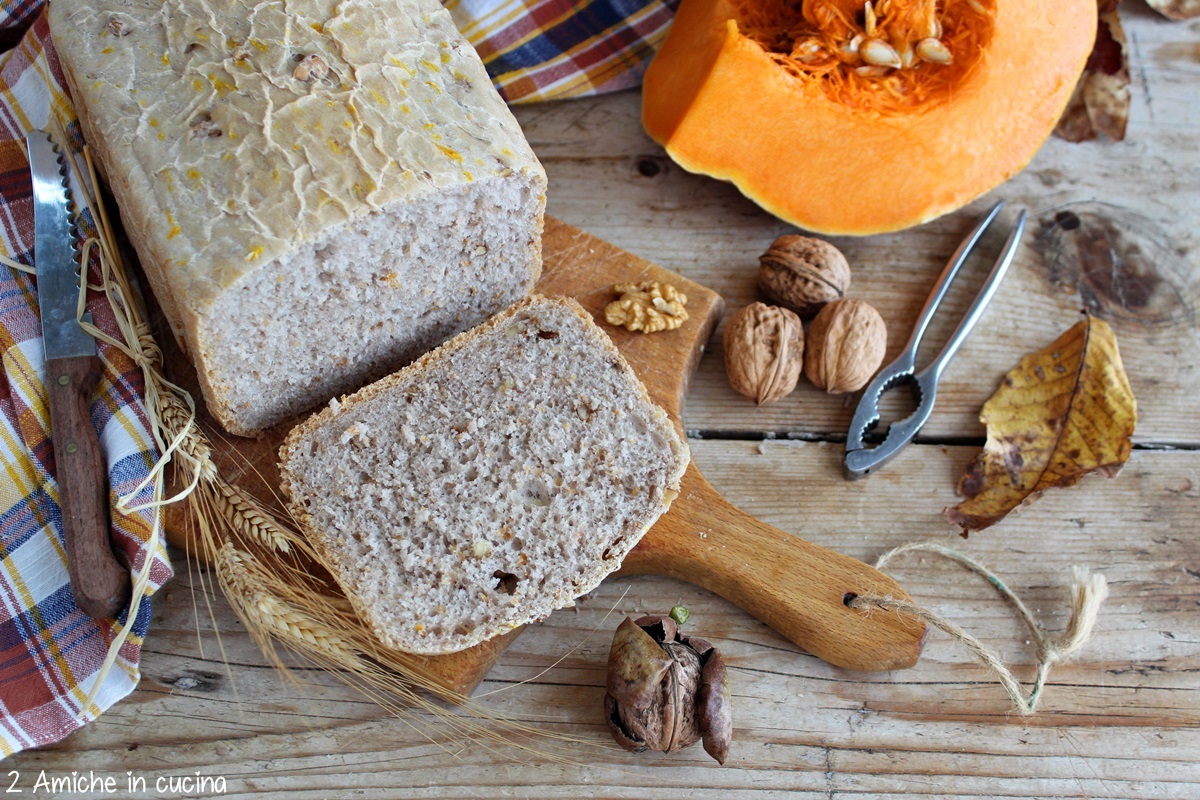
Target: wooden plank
[(608, 177), (1121, 720)]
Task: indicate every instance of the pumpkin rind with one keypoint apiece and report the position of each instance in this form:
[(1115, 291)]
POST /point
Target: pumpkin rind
[(723, 107)]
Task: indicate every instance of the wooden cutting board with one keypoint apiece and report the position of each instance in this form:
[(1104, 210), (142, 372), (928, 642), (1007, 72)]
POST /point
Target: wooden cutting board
[(797, 588)]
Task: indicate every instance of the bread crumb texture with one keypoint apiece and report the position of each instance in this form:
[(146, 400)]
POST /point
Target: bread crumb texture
[(493, 481)]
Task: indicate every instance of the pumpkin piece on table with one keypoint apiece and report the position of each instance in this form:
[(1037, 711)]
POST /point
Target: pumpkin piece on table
[(844, 117)]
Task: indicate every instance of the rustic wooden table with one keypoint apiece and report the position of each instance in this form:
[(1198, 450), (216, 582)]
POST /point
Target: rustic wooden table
[(1119, 721)]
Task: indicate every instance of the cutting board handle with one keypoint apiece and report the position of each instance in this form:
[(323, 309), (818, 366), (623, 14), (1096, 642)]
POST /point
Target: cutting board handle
[(798, 588)]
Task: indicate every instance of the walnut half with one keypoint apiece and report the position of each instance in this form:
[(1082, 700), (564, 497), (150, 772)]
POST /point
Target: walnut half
[(310, 68), (648, 307)]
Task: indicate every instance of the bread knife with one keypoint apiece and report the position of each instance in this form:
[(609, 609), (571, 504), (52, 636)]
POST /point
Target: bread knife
[(99, 582)]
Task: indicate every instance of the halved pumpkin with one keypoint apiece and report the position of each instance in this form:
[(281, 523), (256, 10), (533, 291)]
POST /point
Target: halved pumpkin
[(844, 117)]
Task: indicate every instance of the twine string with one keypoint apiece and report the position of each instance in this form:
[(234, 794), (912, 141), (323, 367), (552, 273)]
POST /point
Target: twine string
[(1088, 592)]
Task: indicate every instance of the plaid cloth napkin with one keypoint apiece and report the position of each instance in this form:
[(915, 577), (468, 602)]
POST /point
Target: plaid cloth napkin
[(50, 652), (554, 49)]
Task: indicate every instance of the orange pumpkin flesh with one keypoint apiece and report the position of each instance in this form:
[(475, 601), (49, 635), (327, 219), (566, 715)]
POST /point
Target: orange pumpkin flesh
[(838, 146)]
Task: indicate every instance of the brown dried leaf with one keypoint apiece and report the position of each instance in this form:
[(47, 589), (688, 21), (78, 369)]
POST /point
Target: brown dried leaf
[(1100, 104), (1060, 414), (1176, 9)]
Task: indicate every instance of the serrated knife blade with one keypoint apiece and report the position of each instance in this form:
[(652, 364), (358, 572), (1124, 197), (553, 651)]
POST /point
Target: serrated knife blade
[(57, 262), (99, 582)]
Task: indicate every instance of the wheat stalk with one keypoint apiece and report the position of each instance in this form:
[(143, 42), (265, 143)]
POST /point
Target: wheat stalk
[(239, 574), (176, 418)]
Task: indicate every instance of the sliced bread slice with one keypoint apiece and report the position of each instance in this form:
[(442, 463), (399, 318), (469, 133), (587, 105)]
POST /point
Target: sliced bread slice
[(492, 481)]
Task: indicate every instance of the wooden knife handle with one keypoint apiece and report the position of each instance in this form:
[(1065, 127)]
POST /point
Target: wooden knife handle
[(99, 582), (796, 587)]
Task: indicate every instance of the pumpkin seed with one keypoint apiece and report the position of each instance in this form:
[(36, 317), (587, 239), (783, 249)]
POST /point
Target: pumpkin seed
[(933, 28), (869, 15), (807, 51), (906, 57), (871, 72), (934, 51), (879, 53)]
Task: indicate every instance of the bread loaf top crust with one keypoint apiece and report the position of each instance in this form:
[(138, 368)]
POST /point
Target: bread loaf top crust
[(232, 131)]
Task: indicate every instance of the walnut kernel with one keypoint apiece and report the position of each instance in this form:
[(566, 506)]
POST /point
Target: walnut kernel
[(764, 352), (205, 128), (803, 274), (648, 306), (845, 346), (310, 68), (118, 25)]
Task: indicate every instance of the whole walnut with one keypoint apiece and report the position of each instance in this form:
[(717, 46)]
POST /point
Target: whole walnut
[(846, 344), (803, 274), (764, 352)]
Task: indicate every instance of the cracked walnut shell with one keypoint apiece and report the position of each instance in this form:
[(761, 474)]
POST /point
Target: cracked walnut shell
[(648, 307), (803, 274), (667, 691), (764, 352), (845, 346)]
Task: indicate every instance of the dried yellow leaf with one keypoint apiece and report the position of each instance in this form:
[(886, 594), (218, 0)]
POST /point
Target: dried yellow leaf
[(1060, 414)]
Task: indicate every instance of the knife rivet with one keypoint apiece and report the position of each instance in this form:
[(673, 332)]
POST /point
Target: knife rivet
[(63, 380), (72, 447)]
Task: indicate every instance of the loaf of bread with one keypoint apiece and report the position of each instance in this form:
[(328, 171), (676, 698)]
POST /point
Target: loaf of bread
[(318, 190), (494, 480)]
